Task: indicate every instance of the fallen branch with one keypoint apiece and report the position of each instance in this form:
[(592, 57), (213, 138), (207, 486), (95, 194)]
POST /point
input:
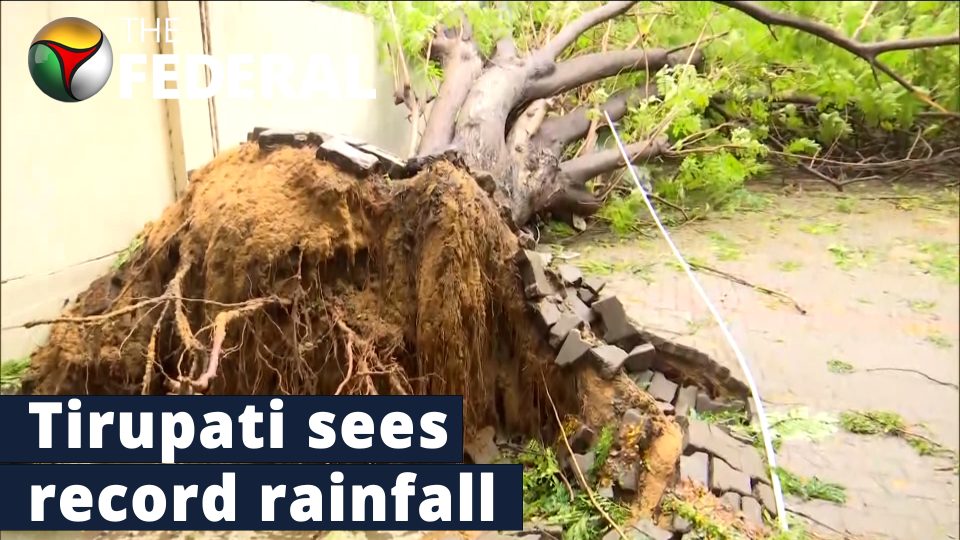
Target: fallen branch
[(576, 466), (740, 281)]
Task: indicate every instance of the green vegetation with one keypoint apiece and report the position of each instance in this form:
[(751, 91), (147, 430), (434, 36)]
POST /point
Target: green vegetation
[(839, 366), (847, 258), (922, 306), (796, 423), (789, 266), (546, 497), (724, 248), (127, 254), (11, 371), (811, 488), (892, 424), (558, 230), (939, 340), (605, 268), (846, 205), (820, 228), (941, 260), (602, 448)]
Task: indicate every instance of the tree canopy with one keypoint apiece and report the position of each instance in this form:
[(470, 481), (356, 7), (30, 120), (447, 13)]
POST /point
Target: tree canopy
[(845, 90)]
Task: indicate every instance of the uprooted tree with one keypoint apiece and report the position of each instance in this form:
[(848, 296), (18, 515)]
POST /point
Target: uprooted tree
[(284, 269), (277, 272)]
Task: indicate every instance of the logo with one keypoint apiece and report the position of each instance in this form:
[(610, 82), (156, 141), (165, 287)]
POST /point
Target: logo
[(70, 59)]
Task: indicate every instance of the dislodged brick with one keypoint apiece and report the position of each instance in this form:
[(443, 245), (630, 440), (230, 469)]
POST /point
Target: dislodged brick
[(390, 162), (619, 330), (725, 478), (585, 461), (697, 436), (559, 331), (731, 499), (680, 525), (642, 379), (641, 358), (271, 138), (535, 281), (764, 494), (648, 528), (594, 284), (346, 157), (751, 510), (586, 295), (582, 439), (686, 399), (627, 478), (609, 358), (570, 274), (573, 302), (662, 388), (696, 467), (574, 348), (604, 491), (482, 449), (548, 314), (706, 404)]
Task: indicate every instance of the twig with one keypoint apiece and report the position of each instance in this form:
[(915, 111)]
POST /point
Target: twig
[(783, 296), (866, 18), (907, 370), (576, 466)]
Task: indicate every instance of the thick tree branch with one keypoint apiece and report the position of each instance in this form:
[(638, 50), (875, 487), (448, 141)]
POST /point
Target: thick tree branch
[(588, 20), (462, 65), (578, 170), (867, 51), (592, 67), (559, 131)]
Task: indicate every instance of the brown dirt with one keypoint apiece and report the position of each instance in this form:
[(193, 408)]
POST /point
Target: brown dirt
[(277, 273)]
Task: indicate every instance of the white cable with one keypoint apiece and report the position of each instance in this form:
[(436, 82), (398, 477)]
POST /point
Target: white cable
[(764, 425)]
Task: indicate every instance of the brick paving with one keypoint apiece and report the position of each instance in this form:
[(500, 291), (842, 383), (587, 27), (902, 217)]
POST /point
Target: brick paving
[(862, 316)]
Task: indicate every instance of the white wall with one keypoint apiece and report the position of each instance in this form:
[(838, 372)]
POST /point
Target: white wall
[(78, 179), (299, 29)]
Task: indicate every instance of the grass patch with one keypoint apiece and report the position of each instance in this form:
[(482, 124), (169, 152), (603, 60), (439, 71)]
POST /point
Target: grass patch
[(811, 488), (940, 259), (846, 205), (820, 229), (939, 340), (705, 525), (789, 266), (922, 306), (546, 498), (848, 258), (887, 423), (124, 257), (839, 366), (11, 371), (559, 230), (794, 424), (724, 248)]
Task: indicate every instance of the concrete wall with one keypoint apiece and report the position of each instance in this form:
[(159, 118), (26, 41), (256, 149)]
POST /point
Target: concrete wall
[(79, 180)]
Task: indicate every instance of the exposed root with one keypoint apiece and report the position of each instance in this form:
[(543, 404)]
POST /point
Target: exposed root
[(220, 333), (313, 282)]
